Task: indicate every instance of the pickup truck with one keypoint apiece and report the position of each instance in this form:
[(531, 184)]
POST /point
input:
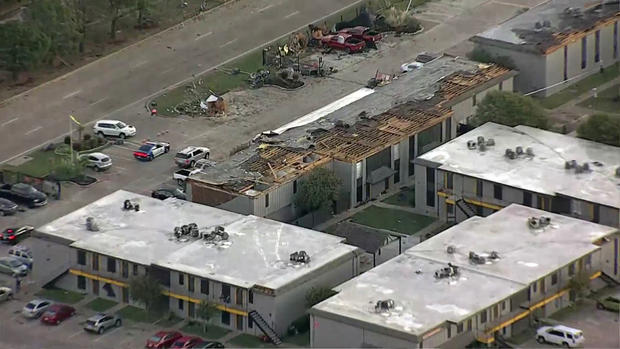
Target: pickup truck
[(182, 175), (343, 41)]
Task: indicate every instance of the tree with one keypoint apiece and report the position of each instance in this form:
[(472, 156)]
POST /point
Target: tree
[(22, 47), (318, 294), (580, 284), (481, 55), (318, 191), (510, 109), (601, 128), (206, 310), (145, 290), (119, 9), (143, 7), (58, 20)]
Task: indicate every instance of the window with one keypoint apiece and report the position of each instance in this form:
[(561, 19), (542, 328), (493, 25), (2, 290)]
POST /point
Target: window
[(616, 39), (81, 282), (181, 279), (473, 100), (181, 304), (250, 322), (267, 200), (596, 213), (135, 269), (597, 46), (542, 286), (225, 293), (501, 85), (397, 169), (95, 261), (589, 260), (571, 269), (226, 318), (239, 296), (239, 322), (459, 327), (483, 316), (449, 330), (109, 290), (251, 297), (584, 52), (503, 306), (111, 265), (497, 191), (565, 63), (125, 269), (469, 325), (554, 279), (81, 257), (430, 187), (204, 286), (295, 187), (411, 155), (496, 311), (448, 129), (450, 180), (450, 208), (527, 198), (191, 309), (534, 287), (190, 283), (479, 189)]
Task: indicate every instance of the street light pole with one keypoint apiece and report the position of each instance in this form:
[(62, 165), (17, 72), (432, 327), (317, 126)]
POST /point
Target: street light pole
[(71, 139)]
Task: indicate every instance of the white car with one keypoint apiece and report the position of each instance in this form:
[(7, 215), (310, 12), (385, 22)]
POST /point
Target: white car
[(98, 161), (560, 335), (5, 294), (407, 67), (35, 308), (113, 128)]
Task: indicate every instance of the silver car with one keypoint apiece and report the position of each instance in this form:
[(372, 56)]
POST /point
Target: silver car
[(101, 322), (98, 161), (35, 308), (13, 266)]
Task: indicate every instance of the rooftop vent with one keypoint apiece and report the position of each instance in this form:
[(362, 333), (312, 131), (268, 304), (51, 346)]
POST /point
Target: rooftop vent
[(449, 271), (218, 234), (546, 23), (480, 259), (480, 143), (480, 140), (187, 230), (570, 164), (130, 206), (519, 150), (471, 144), (539, 222), (529, 151), (510, 154), (451, 249), (583, 168), (384, 305), (538, 26), (490, 142), (91, 225), (300, 257)]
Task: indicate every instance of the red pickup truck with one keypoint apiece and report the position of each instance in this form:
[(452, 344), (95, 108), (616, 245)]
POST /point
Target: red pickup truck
[(362, 33), (343, 41)]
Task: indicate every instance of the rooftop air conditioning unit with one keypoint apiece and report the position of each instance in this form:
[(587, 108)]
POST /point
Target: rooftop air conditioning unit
[(449, 271), (510, 154), (476, 258), (490, 142), (480, 140), (570, 164), (533, 222), (519, 150), (529, 151), (471, 144), (91, 225), (384, 305), (300, 257), (128, 206)]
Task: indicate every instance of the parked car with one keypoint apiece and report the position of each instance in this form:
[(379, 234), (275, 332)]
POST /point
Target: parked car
[(188, 156), (23, 254), (14, 235), (363, 33), (608, 303), (24, 194), (560, 335), (182, 174), (101, 322), (207, 344), (164, 193), (5, 294), (57, 313), (7, 207), (163, 339), (97, 161), (186, 342), (12, 266), (343, 41), (35, 308), (113, 128), (150, 150)]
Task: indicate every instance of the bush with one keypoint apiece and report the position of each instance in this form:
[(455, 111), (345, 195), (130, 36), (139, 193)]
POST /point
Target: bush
[(77, 146), (67, 140), (601, 128), (302, 324), (483, 56), (87, 136)]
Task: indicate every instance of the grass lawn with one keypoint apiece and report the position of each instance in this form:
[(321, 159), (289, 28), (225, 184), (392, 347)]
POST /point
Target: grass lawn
[(39, 166), (249, 341), (581, 87), (213, 332), (100, 304), (302, 339), (60, 295), (605, 101), (405, 197), (392, 219), (138, 315)]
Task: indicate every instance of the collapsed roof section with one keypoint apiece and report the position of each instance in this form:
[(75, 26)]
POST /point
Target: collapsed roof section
[(356, 129)]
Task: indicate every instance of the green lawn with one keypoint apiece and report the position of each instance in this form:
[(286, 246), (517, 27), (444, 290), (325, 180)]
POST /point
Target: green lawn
[(60, 295), (581, 87), (39, 166), (213, 332), (605, 102), (169, 321), (405, 197), (100, 304), (138, 315), (392, 219), (302, 339), (248, 341)]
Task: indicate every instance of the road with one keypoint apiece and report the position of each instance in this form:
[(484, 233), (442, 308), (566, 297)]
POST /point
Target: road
[(122, 81)]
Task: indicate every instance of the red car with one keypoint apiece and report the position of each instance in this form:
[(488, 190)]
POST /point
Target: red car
[(362, 33), (186, 342), (56, 313), (163, 339), (343, 41)]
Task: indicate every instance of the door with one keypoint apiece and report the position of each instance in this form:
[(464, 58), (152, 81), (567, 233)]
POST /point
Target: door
[(125, 293), (96, 287)]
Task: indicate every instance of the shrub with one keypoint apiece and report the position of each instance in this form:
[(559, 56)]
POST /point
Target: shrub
[(302, 324), (483, 56), (87, 136), (77, 146), (67, 140)]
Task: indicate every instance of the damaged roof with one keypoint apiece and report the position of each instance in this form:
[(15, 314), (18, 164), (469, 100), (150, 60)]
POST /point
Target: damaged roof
[(553, 24), (353, 128)]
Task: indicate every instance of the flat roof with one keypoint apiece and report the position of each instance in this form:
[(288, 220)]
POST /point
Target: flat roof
[(543, 173), (565, 18), (423, 303), (525, 254), (256, 253)]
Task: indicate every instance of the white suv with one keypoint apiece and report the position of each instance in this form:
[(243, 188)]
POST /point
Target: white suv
[(113, 128), (560, 335), (188, 156)]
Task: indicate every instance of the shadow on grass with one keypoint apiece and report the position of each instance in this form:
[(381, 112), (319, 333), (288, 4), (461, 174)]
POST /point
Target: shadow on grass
[(100, 304)]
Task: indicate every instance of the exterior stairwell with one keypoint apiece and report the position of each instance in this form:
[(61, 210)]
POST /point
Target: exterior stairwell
[(267, 330), (609, 280), (465, 208)]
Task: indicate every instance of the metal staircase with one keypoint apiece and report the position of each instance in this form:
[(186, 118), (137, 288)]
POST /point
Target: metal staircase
[(609, 280), (267, 330), (465, 208)]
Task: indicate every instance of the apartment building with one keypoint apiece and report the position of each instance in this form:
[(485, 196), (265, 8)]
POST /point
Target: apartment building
[(253, 269), (482, 277), (525, 165), (557, 43), (369, 139)]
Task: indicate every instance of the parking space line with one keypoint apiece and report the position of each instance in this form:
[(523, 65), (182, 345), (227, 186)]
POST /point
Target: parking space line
[(228, 43), (291, 15), (202, 36), (76, 334), (99, 101), (72, 94), (33, 130), (120, 146), (265, 8), (105, 334), (10, 121)]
